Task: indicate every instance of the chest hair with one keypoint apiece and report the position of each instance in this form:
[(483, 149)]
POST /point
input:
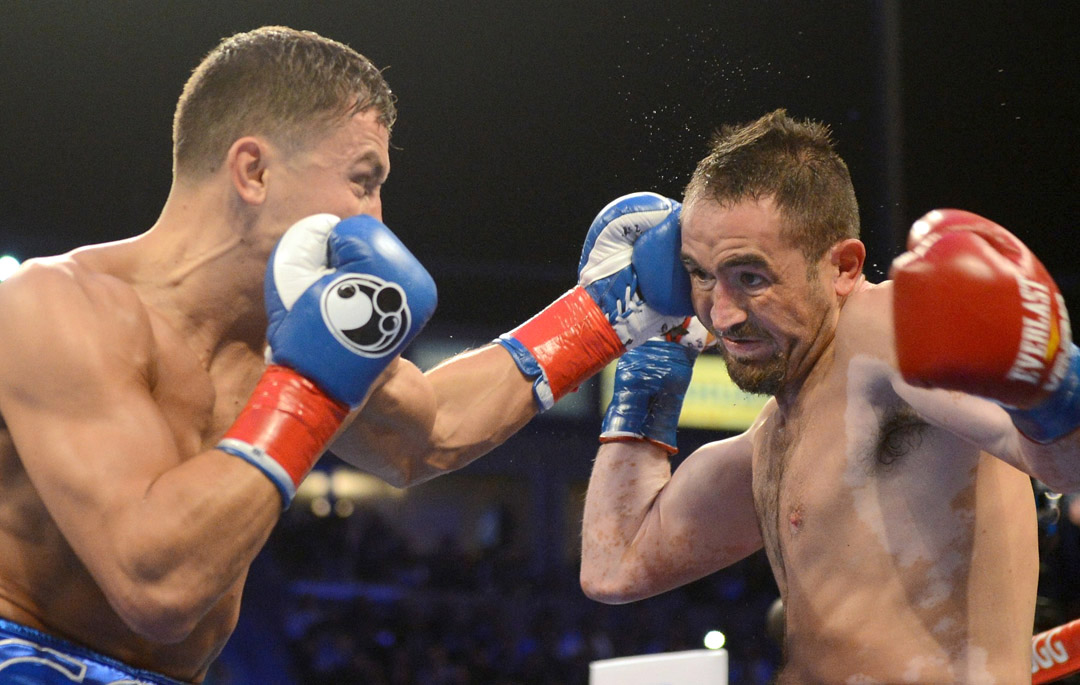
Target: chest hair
[(898, 433)]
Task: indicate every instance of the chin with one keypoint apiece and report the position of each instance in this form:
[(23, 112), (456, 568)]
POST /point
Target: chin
[(756, 378)]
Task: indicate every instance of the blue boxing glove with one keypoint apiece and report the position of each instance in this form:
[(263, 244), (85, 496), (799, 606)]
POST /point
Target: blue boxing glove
[(1058, 414), (631, 287), (343, 300), (650, 384), (631, 266)]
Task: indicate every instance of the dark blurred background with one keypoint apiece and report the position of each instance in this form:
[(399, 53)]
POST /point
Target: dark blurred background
[(518, 121)]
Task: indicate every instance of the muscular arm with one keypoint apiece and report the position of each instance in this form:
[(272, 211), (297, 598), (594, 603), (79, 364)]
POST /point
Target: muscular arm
[(975, 311), (416, 426), (986, 425), (164, 532), (647, 530), (867, 323)]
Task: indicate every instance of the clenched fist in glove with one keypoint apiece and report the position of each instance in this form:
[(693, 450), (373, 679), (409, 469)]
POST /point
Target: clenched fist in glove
[(975, 311), (343, 298)]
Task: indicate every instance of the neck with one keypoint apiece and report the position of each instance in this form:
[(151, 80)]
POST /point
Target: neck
[(201, 269), (811, 368)]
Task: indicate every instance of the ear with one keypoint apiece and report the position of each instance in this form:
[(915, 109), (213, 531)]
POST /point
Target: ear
[(246, 163), (847, 257)]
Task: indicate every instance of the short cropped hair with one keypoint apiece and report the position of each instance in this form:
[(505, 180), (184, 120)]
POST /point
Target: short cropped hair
[(795, 163), (287, 85)]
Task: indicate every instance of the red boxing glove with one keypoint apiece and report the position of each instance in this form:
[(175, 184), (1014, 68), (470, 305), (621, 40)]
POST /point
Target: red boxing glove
[(975, 311)]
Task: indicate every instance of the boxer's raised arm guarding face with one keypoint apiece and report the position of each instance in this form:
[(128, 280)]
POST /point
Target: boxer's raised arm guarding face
[(87, 393), (647, 530)]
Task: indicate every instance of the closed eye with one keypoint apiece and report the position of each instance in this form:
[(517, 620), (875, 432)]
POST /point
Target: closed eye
[(365, 185)]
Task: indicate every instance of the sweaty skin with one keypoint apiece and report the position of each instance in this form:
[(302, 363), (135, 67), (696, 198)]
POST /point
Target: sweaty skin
[(904, 551), (123, 364), (916, 559), (77, 516)]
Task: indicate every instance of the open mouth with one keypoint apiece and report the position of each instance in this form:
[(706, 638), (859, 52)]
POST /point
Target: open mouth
[(747, 348)]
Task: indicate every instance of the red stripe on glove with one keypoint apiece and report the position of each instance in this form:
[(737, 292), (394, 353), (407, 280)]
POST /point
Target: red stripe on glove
[(571, 340), (290, 419)]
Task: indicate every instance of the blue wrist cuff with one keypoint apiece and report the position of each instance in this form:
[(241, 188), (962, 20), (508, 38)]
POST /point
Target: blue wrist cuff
[(1059, 414), (530, 368), (265, 463)]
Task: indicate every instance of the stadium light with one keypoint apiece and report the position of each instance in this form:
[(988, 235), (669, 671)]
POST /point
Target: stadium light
[(8, 266), (714, 639)]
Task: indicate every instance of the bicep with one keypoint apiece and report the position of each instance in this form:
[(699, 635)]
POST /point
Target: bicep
[(974, 419), (647, 531), (82, 418), (704, 519), (988, 427)]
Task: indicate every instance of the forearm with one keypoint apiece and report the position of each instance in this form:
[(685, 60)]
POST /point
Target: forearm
[(185, 540), (417, 426), (620, 507), (1056, 464)]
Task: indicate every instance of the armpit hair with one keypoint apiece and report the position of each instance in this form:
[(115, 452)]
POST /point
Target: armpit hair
[(900, 434)]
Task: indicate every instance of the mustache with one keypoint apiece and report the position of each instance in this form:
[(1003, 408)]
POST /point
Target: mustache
[(746, 329)]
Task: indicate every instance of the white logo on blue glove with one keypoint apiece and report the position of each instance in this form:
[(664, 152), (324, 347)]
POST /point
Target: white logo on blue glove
[(367, 315)]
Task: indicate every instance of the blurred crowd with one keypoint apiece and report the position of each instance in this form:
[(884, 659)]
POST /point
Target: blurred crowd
[(346, 600)]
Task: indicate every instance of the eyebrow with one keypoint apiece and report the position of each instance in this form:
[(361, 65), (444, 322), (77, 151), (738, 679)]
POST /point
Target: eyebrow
[(734, 261), (745, 260)]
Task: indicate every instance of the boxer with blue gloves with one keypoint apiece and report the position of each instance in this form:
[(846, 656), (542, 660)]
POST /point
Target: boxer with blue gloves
[(162, 396)]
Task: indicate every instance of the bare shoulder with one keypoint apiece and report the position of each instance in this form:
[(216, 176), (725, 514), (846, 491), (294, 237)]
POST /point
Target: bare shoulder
[(59, 313), (740, 446), (865, 326)]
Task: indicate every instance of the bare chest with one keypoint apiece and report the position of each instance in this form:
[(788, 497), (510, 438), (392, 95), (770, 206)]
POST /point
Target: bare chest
[(808, 464), (199, 400)]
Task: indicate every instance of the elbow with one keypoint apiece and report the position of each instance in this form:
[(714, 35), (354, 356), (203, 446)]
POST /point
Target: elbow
[(159, 600), (1059, 479), (1064, 485), (160, 614), (606, 588)]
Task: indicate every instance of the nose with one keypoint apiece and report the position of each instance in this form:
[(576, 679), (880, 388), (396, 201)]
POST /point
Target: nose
[(725, 312)]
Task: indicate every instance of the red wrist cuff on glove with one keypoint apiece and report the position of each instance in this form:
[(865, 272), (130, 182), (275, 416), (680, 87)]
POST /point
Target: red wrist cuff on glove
[(671, 450), (289, 420), (571, 340)]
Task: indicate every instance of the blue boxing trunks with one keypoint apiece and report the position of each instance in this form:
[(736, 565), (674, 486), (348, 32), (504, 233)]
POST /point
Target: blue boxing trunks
[(30, 657)]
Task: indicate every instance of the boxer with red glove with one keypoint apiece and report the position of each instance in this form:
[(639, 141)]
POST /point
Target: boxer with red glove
[(631, 287), (975, 311), (343, 298)]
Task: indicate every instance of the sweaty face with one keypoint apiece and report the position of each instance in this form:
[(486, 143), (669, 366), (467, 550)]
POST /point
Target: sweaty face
[(340, 173), (755, 292)]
